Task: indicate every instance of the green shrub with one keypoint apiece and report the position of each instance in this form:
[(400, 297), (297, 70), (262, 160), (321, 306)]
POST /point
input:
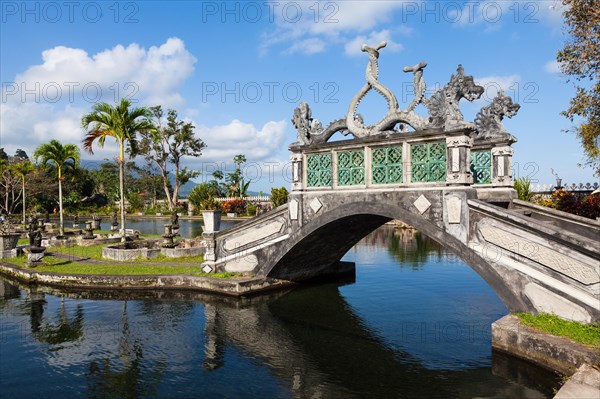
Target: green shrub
[(279, 196), (523, 187)]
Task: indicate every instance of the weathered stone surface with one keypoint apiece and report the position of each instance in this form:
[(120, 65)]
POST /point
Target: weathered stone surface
[(548, 351), (546, 301), (422, 204), (541, 254), (242, 265), (453, 206), (584, 384), (293, 210), (316, 205), (255, 234)]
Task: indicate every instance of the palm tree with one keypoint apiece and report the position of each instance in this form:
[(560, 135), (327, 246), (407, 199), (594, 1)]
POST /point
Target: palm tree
[(62, 156), (23, 169), (122, 124)]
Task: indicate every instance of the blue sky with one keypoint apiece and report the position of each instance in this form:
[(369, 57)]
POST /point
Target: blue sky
[(238, 70)]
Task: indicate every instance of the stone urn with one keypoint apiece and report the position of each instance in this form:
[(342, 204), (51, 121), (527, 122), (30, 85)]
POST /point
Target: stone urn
[(9, 241), (212, 220)]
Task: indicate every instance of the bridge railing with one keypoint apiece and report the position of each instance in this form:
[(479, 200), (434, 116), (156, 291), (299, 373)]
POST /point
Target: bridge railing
[(426, 158)]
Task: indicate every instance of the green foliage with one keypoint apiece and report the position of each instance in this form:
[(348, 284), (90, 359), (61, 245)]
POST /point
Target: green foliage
[(236, 186), (580, 60), (251, 210), (523, 188), (200, 193), (566, 201), (166, 145), (121, 123), (588, 334), (211, 204), (279, 196)]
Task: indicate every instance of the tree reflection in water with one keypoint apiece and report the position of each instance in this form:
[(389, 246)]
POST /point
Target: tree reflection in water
[(133, 379)]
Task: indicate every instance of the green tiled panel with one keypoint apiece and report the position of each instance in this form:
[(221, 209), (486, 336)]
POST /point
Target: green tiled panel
[(351, 168), (318, 170), (481, 167), (387, 165), (428, 162)]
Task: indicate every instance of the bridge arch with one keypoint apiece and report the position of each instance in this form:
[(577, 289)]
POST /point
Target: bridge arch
[(320, 244)]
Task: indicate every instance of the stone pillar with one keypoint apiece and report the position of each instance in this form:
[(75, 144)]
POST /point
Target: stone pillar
[(297, 172), (458, 160), (502, 166), (210, 254)]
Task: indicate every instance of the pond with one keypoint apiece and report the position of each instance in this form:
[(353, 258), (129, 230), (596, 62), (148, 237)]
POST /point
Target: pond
[(414, 323)]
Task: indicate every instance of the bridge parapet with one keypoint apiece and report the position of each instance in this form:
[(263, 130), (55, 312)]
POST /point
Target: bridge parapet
[(415, 159)]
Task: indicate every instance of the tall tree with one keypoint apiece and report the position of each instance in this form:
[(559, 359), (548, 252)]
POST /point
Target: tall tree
[(237, 187), (121, 123), (167, 145), (580, 60), (62, 157), (22, 169)]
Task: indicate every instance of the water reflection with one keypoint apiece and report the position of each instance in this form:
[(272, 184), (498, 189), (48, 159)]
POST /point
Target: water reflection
[(315, 341)]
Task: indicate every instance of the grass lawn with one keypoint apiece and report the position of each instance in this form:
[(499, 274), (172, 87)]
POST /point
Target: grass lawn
[(588, 334), (95, 252), (57, 265)]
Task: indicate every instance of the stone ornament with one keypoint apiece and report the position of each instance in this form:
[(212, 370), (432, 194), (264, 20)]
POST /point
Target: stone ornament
[(488, 121), (442, 107)]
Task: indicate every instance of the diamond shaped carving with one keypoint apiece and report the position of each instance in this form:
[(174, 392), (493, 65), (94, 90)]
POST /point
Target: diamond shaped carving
[(316, 205), (207, 269), (422, 204)]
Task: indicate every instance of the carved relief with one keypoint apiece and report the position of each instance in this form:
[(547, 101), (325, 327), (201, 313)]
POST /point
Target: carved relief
[(541, 254)]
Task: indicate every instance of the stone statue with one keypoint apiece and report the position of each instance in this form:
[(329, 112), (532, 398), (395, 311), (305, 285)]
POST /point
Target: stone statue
[(442, 106), (76, 219), (36, 239), (305, 124), (174, 220), (33, 225), (114, 218), (355, 125), (488, 121), (444, 112)]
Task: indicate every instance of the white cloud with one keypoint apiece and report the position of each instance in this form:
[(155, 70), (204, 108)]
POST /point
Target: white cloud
[(46, 101), (492, 85), (552, 67), (327, 21), (312, 45), (493, 13), (353, 47), (70, 74), (226, 141)]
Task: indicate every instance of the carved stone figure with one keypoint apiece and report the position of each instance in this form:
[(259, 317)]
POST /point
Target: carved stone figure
[(444, 112), (442, 106), (488, 121), (114, 221), (36, 239), (307, 127), (175, 220), (33, 225)]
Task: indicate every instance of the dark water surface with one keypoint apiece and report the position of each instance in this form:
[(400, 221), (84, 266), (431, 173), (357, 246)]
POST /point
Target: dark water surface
[(414, 324)]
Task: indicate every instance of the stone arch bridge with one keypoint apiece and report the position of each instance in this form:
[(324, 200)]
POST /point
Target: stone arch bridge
[(451, 181)]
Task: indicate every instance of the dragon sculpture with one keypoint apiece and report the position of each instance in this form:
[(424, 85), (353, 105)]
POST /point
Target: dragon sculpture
[(488, 121), (442, 106)]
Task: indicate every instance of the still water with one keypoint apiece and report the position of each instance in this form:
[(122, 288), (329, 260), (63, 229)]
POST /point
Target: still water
[(415, 323)]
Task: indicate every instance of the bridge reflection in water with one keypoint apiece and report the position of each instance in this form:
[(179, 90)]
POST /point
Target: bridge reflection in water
[(328, 341)]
